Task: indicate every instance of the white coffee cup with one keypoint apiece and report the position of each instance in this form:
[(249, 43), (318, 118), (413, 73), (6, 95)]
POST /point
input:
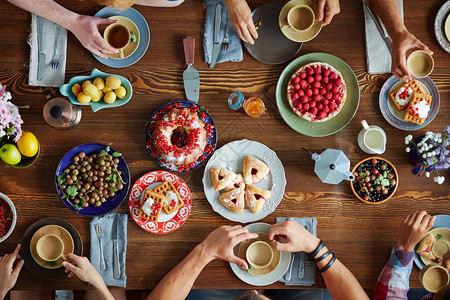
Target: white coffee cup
[(372, 139)]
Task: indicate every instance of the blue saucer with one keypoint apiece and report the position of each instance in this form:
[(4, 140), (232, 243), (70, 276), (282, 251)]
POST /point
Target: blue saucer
[(111, 203), (440, 221), (144, 33)]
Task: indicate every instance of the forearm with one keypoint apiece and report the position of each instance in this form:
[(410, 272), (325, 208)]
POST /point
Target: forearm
[(178, 282), (340, 282), (389, 13), (103, 291), (49, 10)]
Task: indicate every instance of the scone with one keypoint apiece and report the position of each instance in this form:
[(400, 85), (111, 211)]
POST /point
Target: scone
[(403, 95), (236, 183), (151, 206), (424, 248), (172, 199), (254, 170), (233, 200), (221, 177), (255, 198), (418, 108)]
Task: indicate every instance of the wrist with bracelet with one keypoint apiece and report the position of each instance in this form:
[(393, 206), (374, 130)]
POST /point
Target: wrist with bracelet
[(312, 257)]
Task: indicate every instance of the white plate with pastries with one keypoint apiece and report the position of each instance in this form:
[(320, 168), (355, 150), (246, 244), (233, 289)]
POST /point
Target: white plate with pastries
[(436, 242), (227, 163)]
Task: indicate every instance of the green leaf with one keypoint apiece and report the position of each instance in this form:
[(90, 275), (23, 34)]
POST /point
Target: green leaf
[(362, 175), (72, 191), (114, 178), (202, 109), (133, 38), (114, 189), (438, 236), (377, 181), (385, 182), (61, 178), (103, 153), (385, 174), (52, 263), (64, 196), (107, 148), (117, 154)]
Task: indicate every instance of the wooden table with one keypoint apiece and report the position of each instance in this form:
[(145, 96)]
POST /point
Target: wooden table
[(361, 235)]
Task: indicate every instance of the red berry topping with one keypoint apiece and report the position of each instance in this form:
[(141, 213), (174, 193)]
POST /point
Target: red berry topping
[(325, 102), (298, 106), (332, 105), (329, 95), (329, 86), (297, 79), (316, 84), (310, 71), (326, 72), (319, 106), (332, 75), (321, 114), (312, 104), (313, 110), (336, 96), (304, 99), (325, 108), (317, 97), (303, 83), (301, 93), (325, 79), (366, 197), (318, 77), (338, 81), (310, 79), (303, 75), (335, 89), (306, 106), (316, 91), (309, 92), (297, 86), (437, 260), (318, 70), (323, 91), (295, 96)]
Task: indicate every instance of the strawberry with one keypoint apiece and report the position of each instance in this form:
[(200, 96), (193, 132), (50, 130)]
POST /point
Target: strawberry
[(329, 86), (298, 106), (338, 82), (335, 89), (297, 86), (322, 114), (319, 106), (303, 75), (310, 79), (318, 70), (310, 71), (323, 91), (309, 92), (329, 95), (295, 96), (303, 83), (325, 102), (304, 99), (313, 110), (317, 97), (301, 93), (312, 104), (326, 79), (296, 79), (318, 77), (315, 91), (306, 106), (316, 84), (332, 75), (336, 97), (326, 72)]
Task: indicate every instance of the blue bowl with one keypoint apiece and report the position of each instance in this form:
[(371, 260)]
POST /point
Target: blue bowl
[(66, 90), (111, 203)]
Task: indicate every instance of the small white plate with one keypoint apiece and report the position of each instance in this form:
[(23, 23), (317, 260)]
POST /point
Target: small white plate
[(273, 276), (231, 156)]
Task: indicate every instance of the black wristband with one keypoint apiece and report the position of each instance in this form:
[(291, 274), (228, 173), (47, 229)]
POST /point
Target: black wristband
[(322, 257), (313, 254), (329, 264)]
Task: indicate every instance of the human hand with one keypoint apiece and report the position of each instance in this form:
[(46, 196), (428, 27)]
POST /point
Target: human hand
[(413, 229), (327, 10), (240, 18), (82, 267), (446, 261), (220, 243), (10, 266), (297, 237), (401, 43), (85, 28)]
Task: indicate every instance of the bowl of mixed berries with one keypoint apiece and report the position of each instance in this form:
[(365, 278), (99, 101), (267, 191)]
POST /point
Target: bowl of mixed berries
[(376, 180), (8, 217)]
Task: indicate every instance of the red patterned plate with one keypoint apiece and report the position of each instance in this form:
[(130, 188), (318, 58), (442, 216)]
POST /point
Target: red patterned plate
[(167, 223)]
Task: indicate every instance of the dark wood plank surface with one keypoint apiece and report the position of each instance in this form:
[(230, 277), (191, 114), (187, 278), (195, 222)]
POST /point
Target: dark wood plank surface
[(359, 234)]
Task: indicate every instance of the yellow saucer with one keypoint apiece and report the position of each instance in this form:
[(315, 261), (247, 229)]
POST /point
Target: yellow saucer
[(58, 231), (441, 246), (291, 33), (132, 46), (262, 271)]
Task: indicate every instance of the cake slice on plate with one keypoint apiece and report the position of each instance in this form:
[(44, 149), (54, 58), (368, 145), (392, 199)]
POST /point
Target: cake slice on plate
[(151, 206), (418, 109), (233, 200), (236, 183), (254, 170), (221, 177), (256, 197), (403, 95)]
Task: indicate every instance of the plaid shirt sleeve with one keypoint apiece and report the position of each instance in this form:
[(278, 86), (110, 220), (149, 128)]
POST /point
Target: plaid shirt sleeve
[(393, 282)]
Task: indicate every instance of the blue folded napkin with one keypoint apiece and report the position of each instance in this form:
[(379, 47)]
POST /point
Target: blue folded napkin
[(107, 221), (309, 277), (234, 52)]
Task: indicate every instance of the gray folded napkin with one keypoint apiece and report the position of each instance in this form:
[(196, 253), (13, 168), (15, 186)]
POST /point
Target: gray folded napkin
[(309, 277), (51, 77), (107, 221), (234, 52), (377, 53)]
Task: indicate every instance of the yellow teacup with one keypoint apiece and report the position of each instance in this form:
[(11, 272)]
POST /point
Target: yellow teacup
[(118, 36), (420, 63), (300, 18), (259, 254), (433, 277), (50, 247)]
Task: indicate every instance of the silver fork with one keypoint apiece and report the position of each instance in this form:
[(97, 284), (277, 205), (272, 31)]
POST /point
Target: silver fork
[(55, 58), (100, 233), (226, 40)]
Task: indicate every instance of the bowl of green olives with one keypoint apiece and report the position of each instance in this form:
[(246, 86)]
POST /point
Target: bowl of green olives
[(92, 179), (376, 180)]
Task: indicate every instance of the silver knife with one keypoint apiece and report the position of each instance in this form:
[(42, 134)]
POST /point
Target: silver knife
[(191, 77), (387, 39), (116, 264), (41, 60), (301, 264), (216, 47)]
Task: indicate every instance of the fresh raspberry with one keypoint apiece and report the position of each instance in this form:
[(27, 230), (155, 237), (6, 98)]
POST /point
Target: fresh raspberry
[(318, 77), (297, 79), (317, 97), (316, 84), (325, 102), (326, 72), (298, 106), (335, 89), (310, 79), (338, 82), (332, 75), (303, 75), (297, 86), (323, 91), (309, 92), (303, 83), (306, 106), (336, 96), (295, 96), (325, 108), (329, 86), (318, 70), (329, 95), (312, 104), (310, 71), (325, 79), (332, 105), (319, 106), (313, 110), (315, 91), (304, 99), (301, 93), (366, 197), (374, 161), (321, 114)]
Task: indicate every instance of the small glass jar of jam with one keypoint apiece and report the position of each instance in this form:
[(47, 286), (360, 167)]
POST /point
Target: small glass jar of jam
[(253, 107)]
